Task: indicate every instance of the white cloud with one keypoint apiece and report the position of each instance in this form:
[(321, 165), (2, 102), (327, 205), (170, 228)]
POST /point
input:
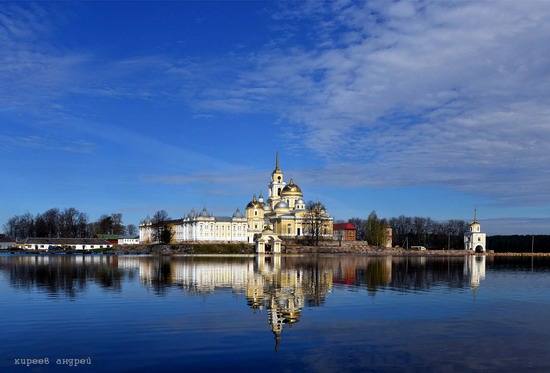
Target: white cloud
[(387, 93), (417, 93)]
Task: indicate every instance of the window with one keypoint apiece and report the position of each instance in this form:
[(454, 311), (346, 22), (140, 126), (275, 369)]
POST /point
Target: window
[(279, 179), (256, 213), (278, 191)]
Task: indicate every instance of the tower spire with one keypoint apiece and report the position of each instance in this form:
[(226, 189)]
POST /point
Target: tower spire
[(475, 213), (277, 161)]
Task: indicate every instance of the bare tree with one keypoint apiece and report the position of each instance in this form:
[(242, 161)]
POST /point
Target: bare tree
[(314, 221), (160, 225), (104, 225), (118, 226), (361, 226), (51, 222), (131, 229), (339, 236)]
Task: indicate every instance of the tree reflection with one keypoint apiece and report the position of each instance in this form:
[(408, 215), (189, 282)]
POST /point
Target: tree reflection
[(282, 285), (67, 274)]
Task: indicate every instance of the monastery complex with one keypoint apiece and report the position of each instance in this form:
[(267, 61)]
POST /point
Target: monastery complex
[(265, 221)]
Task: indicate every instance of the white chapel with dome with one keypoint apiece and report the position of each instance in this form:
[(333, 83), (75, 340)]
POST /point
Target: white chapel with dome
[(475, 239)]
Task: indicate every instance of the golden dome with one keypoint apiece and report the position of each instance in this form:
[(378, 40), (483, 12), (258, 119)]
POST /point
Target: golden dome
[(255, 203), (292, 190)]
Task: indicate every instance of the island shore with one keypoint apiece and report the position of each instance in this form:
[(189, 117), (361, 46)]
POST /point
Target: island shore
[(350, 248), (354, 249)]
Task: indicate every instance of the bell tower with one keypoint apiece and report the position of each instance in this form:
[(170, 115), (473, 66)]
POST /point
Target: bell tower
[(277, 182), (475, 240)]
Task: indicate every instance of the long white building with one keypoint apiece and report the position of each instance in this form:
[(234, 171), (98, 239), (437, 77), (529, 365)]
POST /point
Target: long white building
[(200, 227)]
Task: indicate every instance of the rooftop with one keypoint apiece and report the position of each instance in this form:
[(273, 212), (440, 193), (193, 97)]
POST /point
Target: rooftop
[(345, 226)]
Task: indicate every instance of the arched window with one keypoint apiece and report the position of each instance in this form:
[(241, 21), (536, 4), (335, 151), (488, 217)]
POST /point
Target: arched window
[(278, 191)]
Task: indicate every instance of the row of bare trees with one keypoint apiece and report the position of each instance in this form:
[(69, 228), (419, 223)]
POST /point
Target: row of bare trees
[(70, 223), (428, 232), (414, 230)]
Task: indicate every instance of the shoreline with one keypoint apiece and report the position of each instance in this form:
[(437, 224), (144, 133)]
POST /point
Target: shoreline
[(248, 250)]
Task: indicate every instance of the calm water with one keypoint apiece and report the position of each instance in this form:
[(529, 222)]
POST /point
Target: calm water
[(337, 313)]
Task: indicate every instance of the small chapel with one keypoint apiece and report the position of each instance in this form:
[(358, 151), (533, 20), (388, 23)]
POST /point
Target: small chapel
[(475, 239)]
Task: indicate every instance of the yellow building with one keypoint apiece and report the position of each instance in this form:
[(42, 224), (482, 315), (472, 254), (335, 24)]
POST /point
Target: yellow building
[(285, 211), (284, 214)]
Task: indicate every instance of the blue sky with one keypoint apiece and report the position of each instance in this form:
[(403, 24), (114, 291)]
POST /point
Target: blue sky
[(414, 108)]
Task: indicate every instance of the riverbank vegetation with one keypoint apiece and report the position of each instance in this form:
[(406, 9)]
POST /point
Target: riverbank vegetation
[(414, 231), (519, 243), (67, 223)]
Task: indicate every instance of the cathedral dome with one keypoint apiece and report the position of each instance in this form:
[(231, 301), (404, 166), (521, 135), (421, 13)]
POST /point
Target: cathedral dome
[(267, 207), (238, 214), (291, 190), (254, 203), (281, 206), (192, 214), (204, 213)]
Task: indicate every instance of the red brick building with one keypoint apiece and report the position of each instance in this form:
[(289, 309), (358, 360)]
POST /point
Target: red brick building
[(345, 232)]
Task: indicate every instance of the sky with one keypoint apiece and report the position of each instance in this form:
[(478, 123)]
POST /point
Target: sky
[(428, 108)]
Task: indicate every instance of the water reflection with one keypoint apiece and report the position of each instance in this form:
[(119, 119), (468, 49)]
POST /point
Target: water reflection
[(63, 274), (281, 285), (474, 269), (307, 278)]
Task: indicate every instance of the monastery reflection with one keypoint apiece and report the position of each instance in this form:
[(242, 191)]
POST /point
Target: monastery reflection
[(281, 285)]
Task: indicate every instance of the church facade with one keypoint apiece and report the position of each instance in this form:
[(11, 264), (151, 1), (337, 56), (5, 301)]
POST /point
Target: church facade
[(283, 214), (475, 239)]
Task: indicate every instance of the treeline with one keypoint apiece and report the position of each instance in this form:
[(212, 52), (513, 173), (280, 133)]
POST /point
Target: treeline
[(418, 231), (67, 223), (429, 233), (519, 244)]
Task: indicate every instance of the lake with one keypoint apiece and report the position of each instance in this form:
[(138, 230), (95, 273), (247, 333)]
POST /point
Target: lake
[(274, 314)]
